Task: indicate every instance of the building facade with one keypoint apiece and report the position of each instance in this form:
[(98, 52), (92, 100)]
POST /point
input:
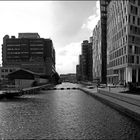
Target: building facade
[(30, 52), (123, 41), (103, 41), (84, 69), (78, 72), (96, 48)]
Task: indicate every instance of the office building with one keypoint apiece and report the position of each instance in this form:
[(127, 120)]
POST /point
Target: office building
[(123, 41), (97, 53), (99, 46), (30, 52), (103, 11), (85, 62)]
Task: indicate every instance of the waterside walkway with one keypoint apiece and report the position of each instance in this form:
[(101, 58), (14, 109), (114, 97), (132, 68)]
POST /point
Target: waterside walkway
[(129, 104)]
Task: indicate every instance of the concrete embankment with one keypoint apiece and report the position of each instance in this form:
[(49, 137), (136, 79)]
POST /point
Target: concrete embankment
[(129, 105), (15, 92)]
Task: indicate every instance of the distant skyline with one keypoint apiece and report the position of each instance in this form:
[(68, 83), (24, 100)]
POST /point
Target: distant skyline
[(67, 23)]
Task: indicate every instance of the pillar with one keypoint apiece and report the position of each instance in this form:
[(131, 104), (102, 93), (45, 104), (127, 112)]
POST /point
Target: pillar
[(128, 74), (137, 75)]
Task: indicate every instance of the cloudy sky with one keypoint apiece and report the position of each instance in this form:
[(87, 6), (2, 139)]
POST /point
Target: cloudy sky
[(67, 23)]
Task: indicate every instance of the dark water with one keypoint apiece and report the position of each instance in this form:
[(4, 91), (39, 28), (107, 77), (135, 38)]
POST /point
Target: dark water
[(63, 114)]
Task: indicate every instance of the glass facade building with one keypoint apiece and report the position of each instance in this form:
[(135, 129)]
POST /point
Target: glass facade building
[(123, 41), (99, 46), (96, 48)]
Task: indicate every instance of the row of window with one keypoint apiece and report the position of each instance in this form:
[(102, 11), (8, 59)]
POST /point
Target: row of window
[(118, 53), (19, 49), (134, 39), (115, 45), (119, 35), (118, 61), (7, 70), (13, 49), (134, 30), (122, 51), (134, 20), (134, 2), (37, 53), (116, 26), (15, 53), (13, 60), (134, 10), (124, 59), (117, 9), (133, 49), (134, 60), (36, 49)]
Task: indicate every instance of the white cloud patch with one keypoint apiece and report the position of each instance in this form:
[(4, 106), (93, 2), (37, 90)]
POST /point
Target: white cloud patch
[(68, 59), (93, 19)]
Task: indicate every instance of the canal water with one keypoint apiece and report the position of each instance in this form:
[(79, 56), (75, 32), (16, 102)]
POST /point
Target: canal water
[(63, 114)]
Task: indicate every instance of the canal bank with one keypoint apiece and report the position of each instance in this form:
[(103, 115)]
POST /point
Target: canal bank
[(11, 93), (125, 103)]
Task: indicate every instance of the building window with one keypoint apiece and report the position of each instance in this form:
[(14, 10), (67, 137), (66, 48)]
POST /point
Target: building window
[(132, 1), (137, 60), (131, 59), (124, 49), (130, 49), (136, 50), (134, 19), (138, 3), (138, 21), (133, 39), (123, 59), (134, 10), (129, 19)]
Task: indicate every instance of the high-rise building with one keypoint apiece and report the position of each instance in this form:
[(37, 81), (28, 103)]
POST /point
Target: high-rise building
[(29, 51), (97, 53), (90, 61), (84, 69), (78, 73), (84, 59), (99, 46), (123, 41), (103, 40)]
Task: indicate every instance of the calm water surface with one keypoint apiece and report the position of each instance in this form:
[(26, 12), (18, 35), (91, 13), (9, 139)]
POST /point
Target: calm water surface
[(63, 114)]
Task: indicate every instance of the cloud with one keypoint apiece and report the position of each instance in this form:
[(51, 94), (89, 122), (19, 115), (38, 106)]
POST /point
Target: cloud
[(63, 53), (68, 17), (69, 57), (93, 19), (59, 20)]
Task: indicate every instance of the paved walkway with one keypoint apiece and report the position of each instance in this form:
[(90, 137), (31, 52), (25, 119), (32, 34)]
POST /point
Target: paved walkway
[(126, 103), (119, 90)]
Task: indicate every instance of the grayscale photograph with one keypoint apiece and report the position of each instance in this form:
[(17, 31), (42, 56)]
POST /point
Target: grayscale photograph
[(70, 70)]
